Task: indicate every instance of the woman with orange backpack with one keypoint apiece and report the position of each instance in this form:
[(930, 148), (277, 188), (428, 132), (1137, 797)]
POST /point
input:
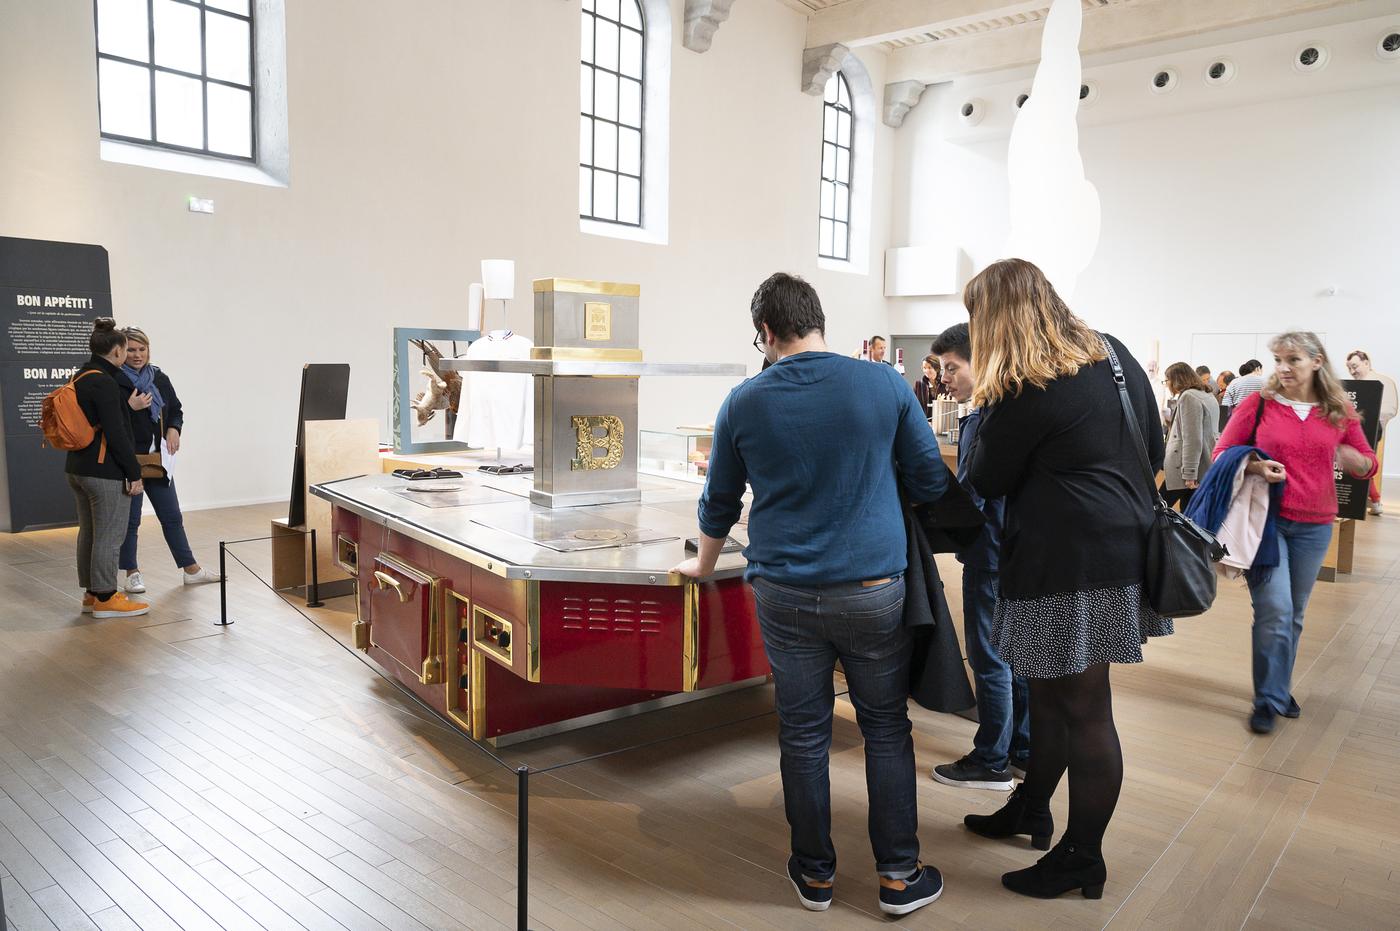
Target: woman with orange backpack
[(104, 474)]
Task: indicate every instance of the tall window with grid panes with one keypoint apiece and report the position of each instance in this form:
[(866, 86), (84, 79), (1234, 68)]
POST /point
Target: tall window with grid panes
[(178, 74), (834, 219), (611, 83)]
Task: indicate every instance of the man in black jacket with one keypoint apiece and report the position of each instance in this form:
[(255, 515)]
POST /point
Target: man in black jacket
[(103, 475)]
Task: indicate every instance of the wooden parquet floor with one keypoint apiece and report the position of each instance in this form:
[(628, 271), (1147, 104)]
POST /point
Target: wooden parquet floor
[(164, 773)]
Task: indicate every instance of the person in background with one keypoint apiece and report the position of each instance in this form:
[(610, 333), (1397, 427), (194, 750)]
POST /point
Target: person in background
[(1053, 440), (1222, 381), (156, 415), (1250, 381), (1191, 438), (1207, 382), (1307, 424), (878, 348), (929, 388), (1359, 367), (104, 474), (826, 560), (1001, 746)]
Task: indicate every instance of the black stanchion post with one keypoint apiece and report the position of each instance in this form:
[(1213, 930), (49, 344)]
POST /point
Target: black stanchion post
[(313, 591), (522, 855), (223, 589)]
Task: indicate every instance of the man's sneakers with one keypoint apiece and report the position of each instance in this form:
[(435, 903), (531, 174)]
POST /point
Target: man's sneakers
[(1293, 710), (969, 774), (1377, 509), (119, 606), (88, 601), (902, 896), (1261, 720), (814, 895), (135, 585)]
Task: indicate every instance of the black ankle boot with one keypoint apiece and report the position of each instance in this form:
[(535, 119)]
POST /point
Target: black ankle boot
[(1069, 866), (1020, 815)]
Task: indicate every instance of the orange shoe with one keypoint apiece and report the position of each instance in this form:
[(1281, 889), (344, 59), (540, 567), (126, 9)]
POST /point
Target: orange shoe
[(119, 606), (88, 601)]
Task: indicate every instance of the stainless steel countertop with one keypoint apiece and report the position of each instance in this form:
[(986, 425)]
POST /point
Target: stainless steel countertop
[(585, 368), (667, 506)]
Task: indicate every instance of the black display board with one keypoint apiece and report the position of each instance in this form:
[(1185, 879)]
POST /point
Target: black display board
[(325, 391), (1352, 492), (50, 292)]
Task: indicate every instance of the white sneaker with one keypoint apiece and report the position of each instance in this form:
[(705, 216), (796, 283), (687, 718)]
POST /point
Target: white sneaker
[(200, 577), (1376, 508), (134, 583)]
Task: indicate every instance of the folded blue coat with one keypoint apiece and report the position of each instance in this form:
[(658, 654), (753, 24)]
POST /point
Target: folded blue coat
[(1211, 503)]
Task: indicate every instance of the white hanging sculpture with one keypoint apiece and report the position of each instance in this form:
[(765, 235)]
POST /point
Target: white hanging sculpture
[(1055, 213)]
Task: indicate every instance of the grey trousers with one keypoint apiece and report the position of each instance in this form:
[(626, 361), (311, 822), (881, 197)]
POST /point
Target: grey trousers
[(103, 508)]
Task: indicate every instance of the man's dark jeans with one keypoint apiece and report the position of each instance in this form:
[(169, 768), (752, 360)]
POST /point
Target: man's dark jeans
[(805, 631), (1003, 699)]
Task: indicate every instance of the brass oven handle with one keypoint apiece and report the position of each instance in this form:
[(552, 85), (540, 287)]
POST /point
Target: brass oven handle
[(388, 581)]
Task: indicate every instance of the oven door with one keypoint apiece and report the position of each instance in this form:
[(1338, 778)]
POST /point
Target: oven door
[(404, 617)]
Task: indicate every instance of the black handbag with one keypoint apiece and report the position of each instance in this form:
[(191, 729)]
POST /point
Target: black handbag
[(1181, 555)]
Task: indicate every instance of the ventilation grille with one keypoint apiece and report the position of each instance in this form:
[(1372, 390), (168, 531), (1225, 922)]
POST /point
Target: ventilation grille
[(612, 615)]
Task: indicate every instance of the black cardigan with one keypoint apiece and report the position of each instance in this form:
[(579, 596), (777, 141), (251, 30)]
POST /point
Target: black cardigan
[(145, 431), (103, 399), (1077, 505)]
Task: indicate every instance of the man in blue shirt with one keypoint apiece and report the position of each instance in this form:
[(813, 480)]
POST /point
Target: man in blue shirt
[(1002, 742), (827, 442)]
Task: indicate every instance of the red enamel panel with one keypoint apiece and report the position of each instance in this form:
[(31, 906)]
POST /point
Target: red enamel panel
[(512, 704), (731, 648), (622, 636)]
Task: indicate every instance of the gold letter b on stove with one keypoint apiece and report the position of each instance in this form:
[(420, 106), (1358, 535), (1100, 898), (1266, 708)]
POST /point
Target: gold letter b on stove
[(591, 441)]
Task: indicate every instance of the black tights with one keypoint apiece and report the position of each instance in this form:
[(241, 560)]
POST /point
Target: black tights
[(1072, 728)]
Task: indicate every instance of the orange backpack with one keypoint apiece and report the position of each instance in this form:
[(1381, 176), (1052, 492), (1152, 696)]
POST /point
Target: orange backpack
[(62, 419)]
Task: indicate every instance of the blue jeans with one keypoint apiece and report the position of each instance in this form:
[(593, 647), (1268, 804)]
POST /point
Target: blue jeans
[(172, 524), (1279, 604), (1003, 699), (805, 631)]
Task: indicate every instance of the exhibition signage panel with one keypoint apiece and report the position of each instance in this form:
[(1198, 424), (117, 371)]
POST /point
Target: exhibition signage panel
[(50, 292), (1352, 492)]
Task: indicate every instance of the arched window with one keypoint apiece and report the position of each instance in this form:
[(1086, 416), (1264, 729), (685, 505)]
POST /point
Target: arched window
[(611, 94), (838, 122)]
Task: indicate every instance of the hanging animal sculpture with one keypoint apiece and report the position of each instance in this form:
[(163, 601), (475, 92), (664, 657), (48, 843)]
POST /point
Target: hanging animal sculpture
[(443, 390)]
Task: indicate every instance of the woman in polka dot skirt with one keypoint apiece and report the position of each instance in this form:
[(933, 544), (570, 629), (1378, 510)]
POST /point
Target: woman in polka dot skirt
[(1055, 444)]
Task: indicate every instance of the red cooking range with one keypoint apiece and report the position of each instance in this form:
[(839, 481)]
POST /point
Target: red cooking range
[(506, 618)]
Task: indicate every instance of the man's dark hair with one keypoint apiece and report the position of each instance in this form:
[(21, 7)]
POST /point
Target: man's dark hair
[(955, 340), (1203, 370), (877, 338), (789, 306), (1250, 367)]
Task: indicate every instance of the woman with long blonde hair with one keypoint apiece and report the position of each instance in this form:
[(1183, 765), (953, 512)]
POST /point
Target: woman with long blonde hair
[(1054, 442), (1301, 424)]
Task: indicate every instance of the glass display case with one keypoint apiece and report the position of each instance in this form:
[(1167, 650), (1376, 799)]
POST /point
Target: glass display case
[(681, 453)]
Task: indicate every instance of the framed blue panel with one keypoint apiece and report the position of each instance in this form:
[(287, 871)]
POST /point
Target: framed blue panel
[(404, 369)]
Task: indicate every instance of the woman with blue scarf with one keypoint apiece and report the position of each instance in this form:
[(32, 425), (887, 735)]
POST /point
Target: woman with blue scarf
[(156, 415)]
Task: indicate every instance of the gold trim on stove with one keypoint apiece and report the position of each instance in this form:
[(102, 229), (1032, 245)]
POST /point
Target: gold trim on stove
[(462, 669), (344, 544), (690, 651), (484, 624), (582, 286), (478, 695), (360, 629)]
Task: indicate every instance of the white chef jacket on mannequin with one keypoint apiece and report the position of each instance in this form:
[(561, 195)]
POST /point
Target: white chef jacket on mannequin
[(500, 408)]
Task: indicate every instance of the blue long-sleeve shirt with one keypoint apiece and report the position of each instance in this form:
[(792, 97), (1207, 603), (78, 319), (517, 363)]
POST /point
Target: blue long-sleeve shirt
[(823, 441), (985, 552)]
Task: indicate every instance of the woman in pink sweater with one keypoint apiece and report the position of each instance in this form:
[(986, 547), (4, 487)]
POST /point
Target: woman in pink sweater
[(1306, 425)]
